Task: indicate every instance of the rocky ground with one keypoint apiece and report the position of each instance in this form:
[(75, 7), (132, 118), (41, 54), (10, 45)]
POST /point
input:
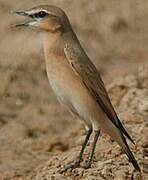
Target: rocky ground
[(38, 136)]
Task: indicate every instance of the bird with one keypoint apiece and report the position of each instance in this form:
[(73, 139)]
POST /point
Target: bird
[(75, 80)]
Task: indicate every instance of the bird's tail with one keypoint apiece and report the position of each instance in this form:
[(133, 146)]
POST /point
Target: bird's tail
[(129, 154)]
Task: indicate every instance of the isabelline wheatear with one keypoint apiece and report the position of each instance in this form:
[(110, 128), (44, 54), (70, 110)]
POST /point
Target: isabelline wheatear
[(75, 80)]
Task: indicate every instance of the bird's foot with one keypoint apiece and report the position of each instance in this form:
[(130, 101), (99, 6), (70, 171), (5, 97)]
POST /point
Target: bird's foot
[(71, 166), (87, 165)]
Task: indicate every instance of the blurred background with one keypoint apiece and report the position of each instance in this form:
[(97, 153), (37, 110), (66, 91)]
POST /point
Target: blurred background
[(33, 125)]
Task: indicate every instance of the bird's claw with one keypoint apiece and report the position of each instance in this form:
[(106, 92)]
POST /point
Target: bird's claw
[(70, 167), (87, 166)]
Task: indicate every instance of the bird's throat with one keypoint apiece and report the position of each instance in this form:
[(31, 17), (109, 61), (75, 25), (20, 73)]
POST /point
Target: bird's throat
[(53, 44)]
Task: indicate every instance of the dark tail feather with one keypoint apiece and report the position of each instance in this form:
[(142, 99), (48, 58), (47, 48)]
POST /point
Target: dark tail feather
[(130, 155), (124, 131)]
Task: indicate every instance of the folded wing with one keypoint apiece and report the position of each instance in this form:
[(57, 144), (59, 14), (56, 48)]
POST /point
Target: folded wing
[(83, 67)]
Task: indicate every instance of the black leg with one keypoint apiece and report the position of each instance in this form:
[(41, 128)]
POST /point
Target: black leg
[(79, 159), (84, 145), (88, 164)]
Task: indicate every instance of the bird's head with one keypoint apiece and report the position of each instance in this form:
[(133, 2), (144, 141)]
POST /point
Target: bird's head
[(45, 17)]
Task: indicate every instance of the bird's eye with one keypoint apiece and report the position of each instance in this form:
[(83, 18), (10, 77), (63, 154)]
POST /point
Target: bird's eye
[(42, 14)]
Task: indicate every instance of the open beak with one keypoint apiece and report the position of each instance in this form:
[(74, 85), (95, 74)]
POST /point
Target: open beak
[(21, 13), (26, 14)]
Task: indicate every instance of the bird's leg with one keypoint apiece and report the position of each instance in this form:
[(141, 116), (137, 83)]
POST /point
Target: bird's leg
[(88, 163), (79, 158)]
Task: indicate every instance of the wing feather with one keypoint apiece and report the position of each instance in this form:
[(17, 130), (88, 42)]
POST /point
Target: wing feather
[(90, 76)]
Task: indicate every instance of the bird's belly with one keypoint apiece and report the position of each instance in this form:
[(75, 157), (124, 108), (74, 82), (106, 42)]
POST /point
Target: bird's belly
[(71, 91), (65, 86), (60, 92), (62, 80)]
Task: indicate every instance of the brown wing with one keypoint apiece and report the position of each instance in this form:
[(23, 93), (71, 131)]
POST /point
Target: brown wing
[(90, 76)]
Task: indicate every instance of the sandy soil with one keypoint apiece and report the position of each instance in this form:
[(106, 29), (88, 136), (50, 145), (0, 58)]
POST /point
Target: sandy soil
[(38, 136)]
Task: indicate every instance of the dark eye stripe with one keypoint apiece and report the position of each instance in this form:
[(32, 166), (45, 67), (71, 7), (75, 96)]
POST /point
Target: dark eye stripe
[(36, 15), (31, 15), (40, 14)]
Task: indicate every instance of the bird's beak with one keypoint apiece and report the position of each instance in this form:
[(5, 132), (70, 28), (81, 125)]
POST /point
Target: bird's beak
[(26, 23), (21, 13)]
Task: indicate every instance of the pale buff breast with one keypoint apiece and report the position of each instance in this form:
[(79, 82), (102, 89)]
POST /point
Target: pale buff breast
[(70, 90), (64, 82)]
